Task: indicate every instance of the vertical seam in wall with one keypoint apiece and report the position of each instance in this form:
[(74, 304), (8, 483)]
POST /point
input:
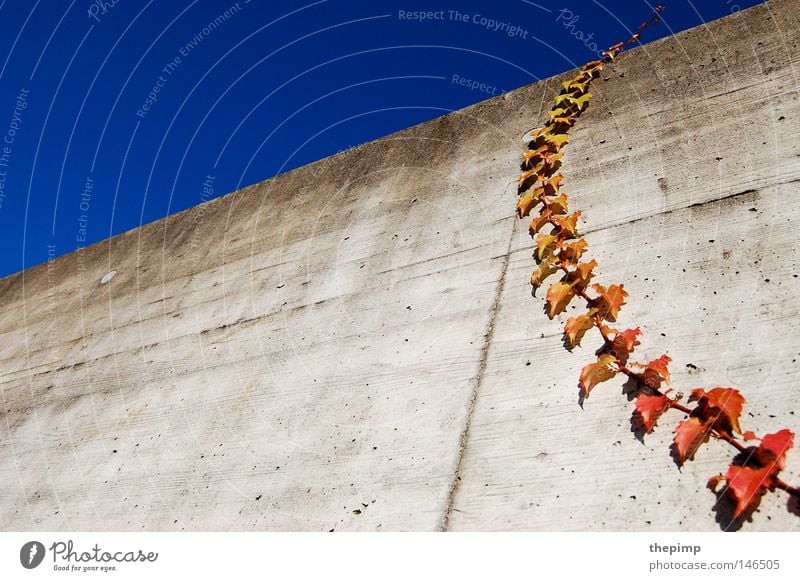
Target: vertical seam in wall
[(462, 442), (462, 445)]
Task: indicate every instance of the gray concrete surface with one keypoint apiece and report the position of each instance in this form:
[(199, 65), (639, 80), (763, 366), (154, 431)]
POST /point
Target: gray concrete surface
[(346, 346)]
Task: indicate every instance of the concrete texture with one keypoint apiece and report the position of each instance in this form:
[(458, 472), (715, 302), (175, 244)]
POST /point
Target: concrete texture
[(353, 345)]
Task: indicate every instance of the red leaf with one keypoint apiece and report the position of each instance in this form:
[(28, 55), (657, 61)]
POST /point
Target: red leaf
[(723, 405), (748, 482), (597, 372), (777, 445), (623, 343), (656, 372), (649, 408), (689, 435), (746, 485), (749, 436)]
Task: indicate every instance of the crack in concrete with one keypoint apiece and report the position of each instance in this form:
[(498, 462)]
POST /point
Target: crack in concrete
[(464, 437), (681, 208)]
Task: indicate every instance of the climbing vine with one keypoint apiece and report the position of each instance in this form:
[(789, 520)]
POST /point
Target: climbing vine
[(560, 249)]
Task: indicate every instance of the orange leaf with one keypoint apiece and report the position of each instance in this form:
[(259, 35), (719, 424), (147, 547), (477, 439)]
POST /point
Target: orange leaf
[(557, 205), (546, 267), (722, 405), (576, 328), (649, 408), (747, 485), (597, 372), (558, 297), (531, 157), (623, 343), (714, 481), (593, 68), (610, 300), (551, 185), (527, 179), (571, 252), (582, 274), (539, 221), (656, 372), (689, 435), (568, 227), (550, 164)]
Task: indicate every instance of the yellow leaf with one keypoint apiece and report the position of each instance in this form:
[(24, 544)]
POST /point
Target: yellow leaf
[(561, 98), (567, 120), (582, 101), (551, 163), (547, 267), (544, 244), (575, 85), (558, 140), (558, 205), (526, 203)]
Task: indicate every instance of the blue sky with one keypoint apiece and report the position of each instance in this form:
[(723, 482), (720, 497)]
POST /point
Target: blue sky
[(116, 114)]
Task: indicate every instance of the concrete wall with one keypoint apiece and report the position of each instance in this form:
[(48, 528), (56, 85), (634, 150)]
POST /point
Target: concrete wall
[(353, 345)]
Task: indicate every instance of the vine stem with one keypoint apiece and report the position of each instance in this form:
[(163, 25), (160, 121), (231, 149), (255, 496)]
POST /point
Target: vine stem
[(580, 289), (673, 403), (786, 487)]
